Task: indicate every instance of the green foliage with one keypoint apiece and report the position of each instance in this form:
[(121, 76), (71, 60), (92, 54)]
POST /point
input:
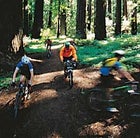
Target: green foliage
[(97, 51), (4, 82), (35, 47)]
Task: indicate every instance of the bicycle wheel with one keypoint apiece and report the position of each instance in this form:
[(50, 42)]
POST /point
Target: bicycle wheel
[(26, 93), (17, 104), (95, 100), (70, 79), (48, 54), (132, 108)]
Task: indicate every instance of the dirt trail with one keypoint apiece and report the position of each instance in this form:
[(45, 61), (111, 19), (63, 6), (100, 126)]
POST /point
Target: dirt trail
[(54, 111)]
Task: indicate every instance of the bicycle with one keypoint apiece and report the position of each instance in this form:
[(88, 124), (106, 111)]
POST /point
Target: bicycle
[(124, 99), (21, 96), (68, 71), (49, 53), (48, 48)]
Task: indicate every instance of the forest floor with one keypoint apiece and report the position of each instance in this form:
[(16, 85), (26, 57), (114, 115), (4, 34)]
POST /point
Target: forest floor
[(55, 111)]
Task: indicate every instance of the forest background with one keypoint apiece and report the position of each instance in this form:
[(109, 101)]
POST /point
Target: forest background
[(98, 28)]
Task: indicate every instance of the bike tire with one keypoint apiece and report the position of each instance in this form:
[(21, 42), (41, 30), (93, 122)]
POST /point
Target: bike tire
[(48, 54), (17, 104), (95, 100), (70, 79), (26, 92)]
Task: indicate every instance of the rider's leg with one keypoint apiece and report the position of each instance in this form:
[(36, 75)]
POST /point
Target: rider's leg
[(22, 80)]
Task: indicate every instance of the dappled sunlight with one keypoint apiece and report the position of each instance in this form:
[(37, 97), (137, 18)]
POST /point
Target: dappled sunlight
[(90, 59), (5, 98), (85, 79), (46, 94), (36, 46), (46, 77)]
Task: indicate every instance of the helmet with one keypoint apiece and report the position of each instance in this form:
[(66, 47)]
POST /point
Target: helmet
[(67, 44), (119, 52), (25, 59)]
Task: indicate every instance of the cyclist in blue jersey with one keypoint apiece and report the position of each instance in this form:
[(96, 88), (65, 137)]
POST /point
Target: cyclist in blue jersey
[(26, 71)]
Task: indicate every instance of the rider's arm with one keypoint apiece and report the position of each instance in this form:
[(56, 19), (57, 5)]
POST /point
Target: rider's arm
[(126, 74), (15, 74), (31, 73), (122, 72), (31, 78), (35, 60), (61, 54)]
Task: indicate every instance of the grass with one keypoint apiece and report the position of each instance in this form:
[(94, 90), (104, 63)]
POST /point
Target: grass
[(98, 51)]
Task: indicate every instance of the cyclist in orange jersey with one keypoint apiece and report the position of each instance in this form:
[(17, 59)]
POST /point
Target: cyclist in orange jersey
[(67, 52)]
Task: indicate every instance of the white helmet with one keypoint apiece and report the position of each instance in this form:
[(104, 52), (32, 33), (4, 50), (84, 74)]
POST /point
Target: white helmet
[(119, 52), (25, 59)]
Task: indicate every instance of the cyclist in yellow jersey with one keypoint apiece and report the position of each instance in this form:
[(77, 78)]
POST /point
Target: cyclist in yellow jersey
[(114, 63)]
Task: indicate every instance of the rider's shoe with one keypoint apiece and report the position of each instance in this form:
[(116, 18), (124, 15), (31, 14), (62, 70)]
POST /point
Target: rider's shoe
[(28, 96), (112, 109)]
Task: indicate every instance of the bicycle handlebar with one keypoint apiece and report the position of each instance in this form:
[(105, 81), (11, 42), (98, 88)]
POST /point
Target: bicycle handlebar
[(132, 82)]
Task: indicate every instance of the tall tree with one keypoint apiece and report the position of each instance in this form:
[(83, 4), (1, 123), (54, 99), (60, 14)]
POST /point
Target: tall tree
[(11, 26), (58, 19), (81, 19), (109, 8), (118, 18), (100, 25), (89, 14), (63, 25), (38, 19), (25, 17), (50, 15), (134, 22), (125, 9)]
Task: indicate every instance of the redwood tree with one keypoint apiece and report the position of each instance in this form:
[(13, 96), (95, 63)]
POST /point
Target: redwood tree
[(118, 18), (11, 26), (80, 19), (38, 19), (100, 27)]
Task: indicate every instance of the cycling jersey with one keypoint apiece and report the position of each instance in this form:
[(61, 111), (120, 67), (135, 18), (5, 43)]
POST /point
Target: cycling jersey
[(66, 53), (108, 65), (25, 69)]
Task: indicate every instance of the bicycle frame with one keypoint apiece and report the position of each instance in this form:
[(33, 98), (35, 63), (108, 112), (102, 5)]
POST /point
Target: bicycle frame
[(125, 98), (69, 71), (21, 96), (49, 53)]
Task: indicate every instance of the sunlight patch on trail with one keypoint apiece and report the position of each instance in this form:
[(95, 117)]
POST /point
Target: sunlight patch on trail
[(46, 77)]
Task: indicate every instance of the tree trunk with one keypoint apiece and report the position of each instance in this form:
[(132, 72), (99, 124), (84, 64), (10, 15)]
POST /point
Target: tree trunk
[(58, 20), (134, 22), (118, 18), (100, 27), (50, 15), (89, 15), (38, 19), (80, 19), (109, 9), (25, 18), (125, 9), (11, 26), (63, 22)]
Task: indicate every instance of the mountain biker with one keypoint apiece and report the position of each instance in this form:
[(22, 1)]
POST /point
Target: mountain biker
[(26, 72), (107, 79), (115, 64), (68, 52), (48, 44)]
